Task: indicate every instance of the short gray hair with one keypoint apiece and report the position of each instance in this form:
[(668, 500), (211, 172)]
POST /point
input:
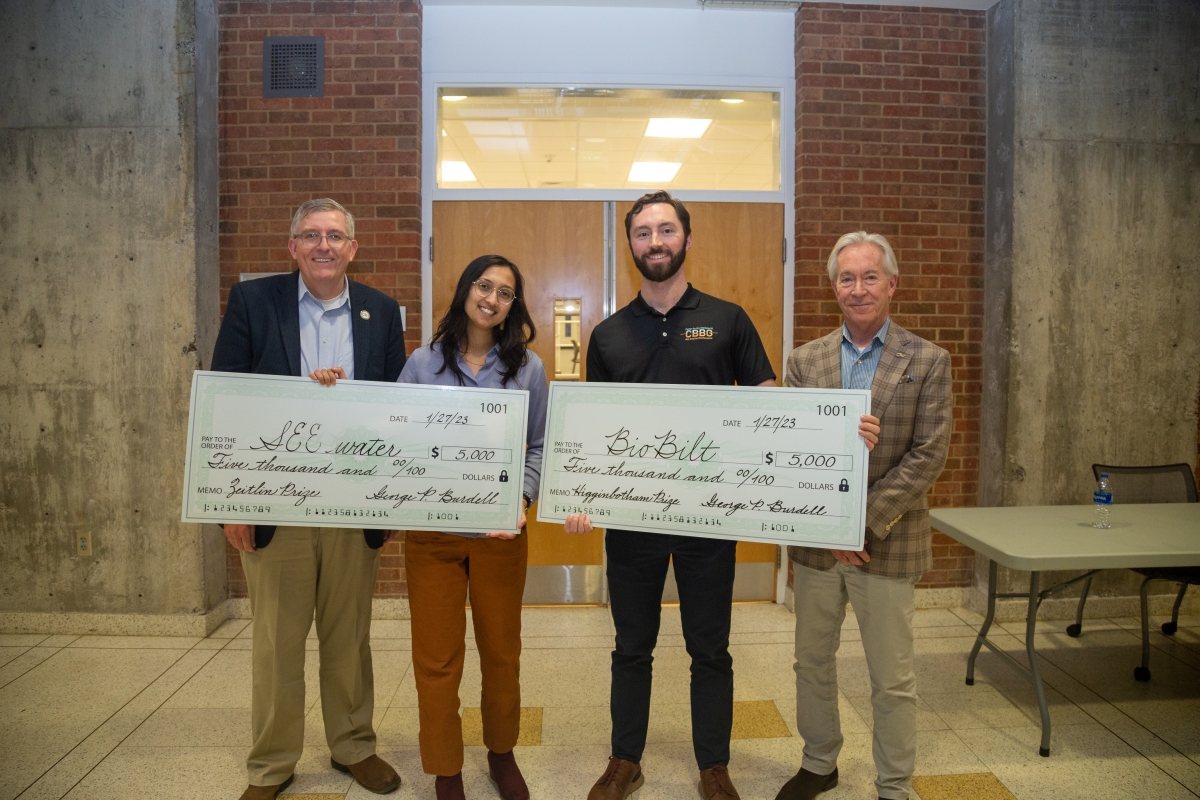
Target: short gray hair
[(321, 204), (890, 267)]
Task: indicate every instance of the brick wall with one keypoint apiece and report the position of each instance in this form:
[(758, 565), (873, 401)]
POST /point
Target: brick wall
[(360, 144), (890, 138)]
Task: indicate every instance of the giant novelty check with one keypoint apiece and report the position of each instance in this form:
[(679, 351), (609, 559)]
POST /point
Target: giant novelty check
[(267, 449), (784, 466)]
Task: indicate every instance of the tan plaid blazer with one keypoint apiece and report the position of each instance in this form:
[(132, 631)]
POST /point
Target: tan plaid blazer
[(911, 397)]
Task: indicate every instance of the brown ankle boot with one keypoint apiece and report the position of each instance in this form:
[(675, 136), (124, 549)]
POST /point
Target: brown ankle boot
[(449, 787), (503, 770)]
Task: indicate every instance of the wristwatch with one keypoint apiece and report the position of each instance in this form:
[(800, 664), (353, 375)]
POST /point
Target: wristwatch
[(528, 499)]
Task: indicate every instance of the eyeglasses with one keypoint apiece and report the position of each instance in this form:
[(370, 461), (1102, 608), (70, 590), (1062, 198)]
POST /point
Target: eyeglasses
[(503, 293), (335, 240)]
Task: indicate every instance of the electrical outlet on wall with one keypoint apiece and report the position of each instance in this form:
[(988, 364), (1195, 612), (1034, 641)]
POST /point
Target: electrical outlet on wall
[(83, 544)]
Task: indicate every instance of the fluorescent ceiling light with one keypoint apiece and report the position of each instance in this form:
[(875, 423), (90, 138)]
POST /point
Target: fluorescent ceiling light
[(653, 171), (495, 128), (456, 172), (501, 144), (453, 98), (444, 132), (733, 101), (679, 128)]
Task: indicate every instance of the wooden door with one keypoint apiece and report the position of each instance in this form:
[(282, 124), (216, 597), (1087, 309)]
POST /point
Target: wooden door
[(737, 255), (559, 248)]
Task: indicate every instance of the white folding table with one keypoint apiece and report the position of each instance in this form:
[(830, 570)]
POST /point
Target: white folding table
[(1041, 538)]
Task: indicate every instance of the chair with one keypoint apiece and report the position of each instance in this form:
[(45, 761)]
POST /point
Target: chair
[(1169, 483)]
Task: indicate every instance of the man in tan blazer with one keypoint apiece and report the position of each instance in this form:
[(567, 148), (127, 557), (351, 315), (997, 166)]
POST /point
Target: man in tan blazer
[(909, 379)]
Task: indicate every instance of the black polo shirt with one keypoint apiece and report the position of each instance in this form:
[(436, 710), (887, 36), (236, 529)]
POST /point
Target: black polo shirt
[(702, 340)]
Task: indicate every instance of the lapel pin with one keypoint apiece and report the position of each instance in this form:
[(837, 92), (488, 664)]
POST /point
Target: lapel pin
[(365, 314)]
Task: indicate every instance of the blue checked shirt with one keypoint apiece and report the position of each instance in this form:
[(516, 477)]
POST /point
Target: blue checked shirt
[(326, 332), (858, 366)]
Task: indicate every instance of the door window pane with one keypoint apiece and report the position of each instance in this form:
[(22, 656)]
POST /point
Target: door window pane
[(565, 138)]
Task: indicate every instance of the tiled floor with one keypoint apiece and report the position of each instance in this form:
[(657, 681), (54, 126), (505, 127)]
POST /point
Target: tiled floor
[(93, 718)]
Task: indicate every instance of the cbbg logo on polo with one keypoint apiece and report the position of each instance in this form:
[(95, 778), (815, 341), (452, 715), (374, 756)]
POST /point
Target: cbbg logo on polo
[(695, 334)]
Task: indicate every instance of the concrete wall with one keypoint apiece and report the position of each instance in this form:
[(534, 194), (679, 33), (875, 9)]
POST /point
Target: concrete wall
[(1092, 288), (108, 301)]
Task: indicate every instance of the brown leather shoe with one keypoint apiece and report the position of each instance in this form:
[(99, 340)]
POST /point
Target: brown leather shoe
[(504, 772), (621, 779), (715, 784), (805, 785), (372, 773), (449, 787), (266, 792)]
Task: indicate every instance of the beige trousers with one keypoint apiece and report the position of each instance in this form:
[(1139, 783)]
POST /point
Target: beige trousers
[(330, 572), (884, 608)]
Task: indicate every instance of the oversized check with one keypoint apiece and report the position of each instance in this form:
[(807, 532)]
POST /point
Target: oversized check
[(275, 450), (784, 466)]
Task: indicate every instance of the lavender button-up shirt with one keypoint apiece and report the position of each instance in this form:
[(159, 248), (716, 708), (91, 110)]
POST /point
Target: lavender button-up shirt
[(423, 365)]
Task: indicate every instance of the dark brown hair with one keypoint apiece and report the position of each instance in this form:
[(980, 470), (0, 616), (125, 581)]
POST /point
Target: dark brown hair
[(654, 198), (513, 340)]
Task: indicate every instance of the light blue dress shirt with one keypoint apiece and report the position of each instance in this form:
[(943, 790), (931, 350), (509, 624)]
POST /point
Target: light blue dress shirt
[(858, 365), (326, 332), (423, 365)]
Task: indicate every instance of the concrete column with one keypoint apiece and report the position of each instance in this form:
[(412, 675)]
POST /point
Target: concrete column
[(108, 301), (1092, 292)]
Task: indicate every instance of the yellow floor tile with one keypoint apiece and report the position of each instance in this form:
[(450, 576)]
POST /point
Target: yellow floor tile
[(976, 785), (758, 719), (531, 727)]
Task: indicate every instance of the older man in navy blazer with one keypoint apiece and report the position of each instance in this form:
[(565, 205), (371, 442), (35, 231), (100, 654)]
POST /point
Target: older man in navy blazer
[(294, 324)]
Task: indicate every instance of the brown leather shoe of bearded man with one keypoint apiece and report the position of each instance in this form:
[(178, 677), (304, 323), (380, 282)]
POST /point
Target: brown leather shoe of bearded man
[(621, 779), (372, 773), (503, 771), (266, 792), (715, 784)]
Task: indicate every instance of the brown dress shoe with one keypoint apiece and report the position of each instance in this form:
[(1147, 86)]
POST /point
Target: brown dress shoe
[(372, 773), (504, 772), (715, 784), (449, 787), (806, 785), (621, 779), (266, 792)]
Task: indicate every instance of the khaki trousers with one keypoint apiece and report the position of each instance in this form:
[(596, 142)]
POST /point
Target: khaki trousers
[(330, 572), (441, 569), (884, 608)]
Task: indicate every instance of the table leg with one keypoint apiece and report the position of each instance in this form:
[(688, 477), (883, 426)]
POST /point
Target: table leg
[(987, 624), (1035, 672)]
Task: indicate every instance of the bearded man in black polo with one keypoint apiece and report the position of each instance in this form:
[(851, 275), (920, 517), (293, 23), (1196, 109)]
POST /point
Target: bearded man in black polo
[(670, 333)]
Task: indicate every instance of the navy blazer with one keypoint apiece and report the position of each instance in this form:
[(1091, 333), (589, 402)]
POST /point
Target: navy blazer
[(260, 333)]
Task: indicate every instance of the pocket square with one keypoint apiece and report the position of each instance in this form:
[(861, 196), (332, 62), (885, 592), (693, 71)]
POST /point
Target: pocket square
[(908, 379)]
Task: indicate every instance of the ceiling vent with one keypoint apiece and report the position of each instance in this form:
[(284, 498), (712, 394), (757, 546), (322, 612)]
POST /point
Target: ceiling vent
[(294, 66)]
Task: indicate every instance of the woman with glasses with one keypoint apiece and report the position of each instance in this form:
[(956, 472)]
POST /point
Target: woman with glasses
[(481, 341)]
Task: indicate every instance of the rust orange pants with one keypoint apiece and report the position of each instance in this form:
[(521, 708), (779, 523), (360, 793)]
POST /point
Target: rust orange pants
[(442, 569)]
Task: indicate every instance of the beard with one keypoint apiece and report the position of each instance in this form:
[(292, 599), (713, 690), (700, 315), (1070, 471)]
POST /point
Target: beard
[(662, 272)]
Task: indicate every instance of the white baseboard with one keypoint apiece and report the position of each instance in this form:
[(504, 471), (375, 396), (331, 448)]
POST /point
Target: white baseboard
[(1097, 607), (1015, 609), (83, 623)]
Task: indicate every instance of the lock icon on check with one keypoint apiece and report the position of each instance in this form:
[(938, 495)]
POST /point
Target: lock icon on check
[(844, 486), (504, 476)]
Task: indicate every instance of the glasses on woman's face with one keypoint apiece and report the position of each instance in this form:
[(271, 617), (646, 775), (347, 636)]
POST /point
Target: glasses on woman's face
[(504, 294)]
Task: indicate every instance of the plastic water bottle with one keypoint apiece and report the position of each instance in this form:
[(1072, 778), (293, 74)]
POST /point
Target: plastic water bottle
[(1102, 500)]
